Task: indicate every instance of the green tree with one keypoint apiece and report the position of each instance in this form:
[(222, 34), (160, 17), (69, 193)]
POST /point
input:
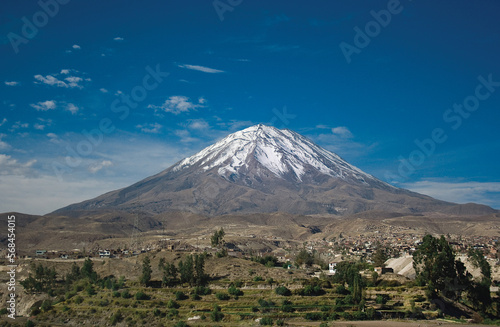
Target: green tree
[(169, 273), (146, 271), (186, 270), (304, 257), (380, 256), (435, 266), (87, 270), (217, 238)]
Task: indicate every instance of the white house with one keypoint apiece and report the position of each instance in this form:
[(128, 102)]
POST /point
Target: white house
[(332, 267), (104, 254)]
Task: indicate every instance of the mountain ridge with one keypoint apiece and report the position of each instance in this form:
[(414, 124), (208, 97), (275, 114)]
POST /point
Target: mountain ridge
[(262, 169)]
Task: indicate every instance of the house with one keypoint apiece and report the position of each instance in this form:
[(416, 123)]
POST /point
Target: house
[(332, 267), (104, 253), (40, 252)]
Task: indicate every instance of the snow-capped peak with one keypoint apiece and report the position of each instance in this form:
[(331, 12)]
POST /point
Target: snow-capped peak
[(280, 151)]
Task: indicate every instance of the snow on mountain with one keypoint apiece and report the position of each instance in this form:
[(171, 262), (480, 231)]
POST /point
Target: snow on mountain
[(279, 151)]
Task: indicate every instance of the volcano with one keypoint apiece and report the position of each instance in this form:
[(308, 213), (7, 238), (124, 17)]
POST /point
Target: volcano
[(262, 169)]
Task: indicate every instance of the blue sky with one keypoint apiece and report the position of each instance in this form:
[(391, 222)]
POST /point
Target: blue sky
[(97, 95)]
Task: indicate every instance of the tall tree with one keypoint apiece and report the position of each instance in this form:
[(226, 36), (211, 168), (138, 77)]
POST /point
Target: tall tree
[(217, 238), (435, 266), (380, 256), (146, 271)]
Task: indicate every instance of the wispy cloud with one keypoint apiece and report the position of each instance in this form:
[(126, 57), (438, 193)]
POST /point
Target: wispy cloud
[(177, 104), (3, 121), (100, 165), (3, 145), (51, 105), (202, 69), (72, 81), (118, 38), (342, 131), (72, 108), (103, 90), (10, 166), (459, 192), (11, 83), (76, 46), (150, 128), (44, 106), (198, 124)]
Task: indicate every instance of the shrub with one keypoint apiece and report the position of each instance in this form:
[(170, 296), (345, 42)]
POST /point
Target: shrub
[(258, 279), (313, 316), (201, 290), (287, 308), (179, 296), (156, 312), (340, 289), (222, 296), (90, 290), (172, 304), (263, 303), (180, 324), (381, 299), (116, 317), (141, 296), (46, 305), (266, 321), (280, 322), (282, 290), (116, 294), (216, 315), (235, 291), (30, 323), (126, 294), (78, 300)]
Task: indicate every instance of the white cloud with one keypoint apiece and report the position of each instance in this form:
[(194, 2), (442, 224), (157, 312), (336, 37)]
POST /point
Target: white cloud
[(96, 167), (40, 127), (198, 124), (118, 38), (45, 105), (19, 125), (76, 46), (3, 145), (459, 192), (177, 104), (150, 128), (10, 166), (50, 80), (342, 131), (72, 108), (185, 136), (67, 82), (3, 121), (202, 69), (11, 83), (103, 90)]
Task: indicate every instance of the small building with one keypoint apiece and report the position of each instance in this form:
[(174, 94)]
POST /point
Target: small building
[(332, 267), (104, 253), (40, 252)]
